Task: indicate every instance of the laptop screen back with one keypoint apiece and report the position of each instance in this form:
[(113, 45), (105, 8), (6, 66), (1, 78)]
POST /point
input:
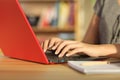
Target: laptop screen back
[(17, 40)]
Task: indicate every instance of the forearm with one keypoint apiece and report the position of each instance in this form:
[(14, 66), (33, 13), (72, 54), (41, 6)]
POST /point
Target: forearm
[(110, 50), (114, 49), (92, 34)]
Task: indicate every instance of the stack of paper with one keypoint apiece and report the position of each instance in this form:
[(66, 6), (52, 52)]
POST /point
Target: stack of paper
[(91, 67)]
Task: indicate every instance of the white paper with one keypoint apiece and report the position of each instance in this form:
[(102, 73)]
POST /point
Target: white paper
[(95, 69)]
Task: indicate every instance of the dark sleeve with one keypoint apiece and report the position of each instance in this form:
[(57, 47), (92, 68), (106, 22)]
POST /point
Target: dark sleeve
[(98, 7)]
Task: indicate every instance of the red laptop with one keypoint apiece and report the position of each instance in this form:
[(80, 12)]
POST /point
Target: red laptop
[(17, 40)]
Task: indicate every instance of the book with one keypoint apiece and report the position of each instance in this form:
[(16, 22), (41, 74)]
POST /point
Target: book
[(71, 18), (92, 67), (55, 14), (64, 11), (49, 16)]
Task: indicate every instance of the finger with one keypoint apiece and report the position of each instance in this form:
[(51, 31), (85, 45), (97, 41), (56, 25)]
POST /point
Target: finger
[(54, 42), (65, 50), (45, 45), (69, 47), (51, 42), (41, 44), (56, 45), (74, 51), (62, 45)]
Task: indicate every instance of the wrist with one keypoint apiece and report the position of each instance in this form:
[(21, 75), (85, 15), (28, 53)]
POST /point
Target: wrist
[(108, 49)]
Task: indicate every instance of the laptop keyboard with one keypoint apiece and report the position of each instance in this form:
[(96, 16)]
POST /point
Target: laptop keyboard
[(53, 58)]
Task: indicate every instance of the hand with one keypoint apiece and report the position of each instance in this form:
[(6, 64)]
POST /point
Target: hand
[(50, 43), (60, 46), (69, 48)]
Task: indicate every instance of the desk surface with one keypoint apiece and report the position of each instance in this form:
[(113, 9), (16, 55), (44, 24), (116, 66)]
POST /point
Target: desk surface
[(13, 69)]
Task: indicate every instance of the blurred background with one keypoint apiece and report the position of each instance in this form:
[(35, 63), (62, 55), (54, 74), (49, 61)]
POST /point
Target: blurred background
[(67, 19)]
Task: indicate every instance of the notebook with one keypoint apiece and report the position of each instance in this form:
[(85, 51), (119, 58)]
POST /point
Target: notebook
[(102, 68)]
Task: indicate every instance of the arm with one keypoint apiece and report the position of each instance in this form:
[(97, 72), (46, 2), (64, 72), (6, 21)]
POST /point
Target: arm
[(92, 34)]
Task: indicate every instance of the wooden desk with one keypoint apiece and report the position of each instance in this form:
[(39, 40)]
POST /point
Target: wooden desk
[(12, 69)]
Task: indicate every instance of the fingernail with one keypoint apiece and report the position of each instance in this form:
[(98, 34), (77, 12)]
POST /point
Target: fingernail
[(53, 48), (56, 53), (50, 46), (44, 50), (67, 55), (60, 56)]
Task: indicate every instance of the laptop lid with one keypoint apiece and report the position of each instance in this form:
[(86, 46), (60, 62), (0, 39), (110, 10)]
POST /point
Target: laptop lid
[(17, 40)]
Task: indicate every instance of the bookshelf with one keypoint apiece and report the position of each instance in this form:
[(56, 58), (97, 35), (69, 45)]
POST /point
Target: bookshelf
[(61, 15), (52, 30)]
